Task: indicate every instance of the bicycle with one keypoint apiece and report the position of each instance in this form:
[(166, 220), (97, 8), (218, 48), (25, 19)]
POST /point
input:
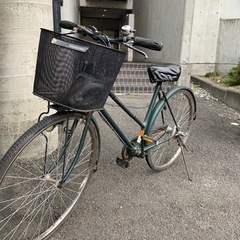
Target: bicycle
[(45, 171)]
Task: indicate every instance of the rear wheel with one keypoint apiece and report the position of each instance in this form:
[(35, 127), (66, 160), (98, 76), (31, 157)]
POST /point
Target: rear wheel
[(164, 130), (33, 202)]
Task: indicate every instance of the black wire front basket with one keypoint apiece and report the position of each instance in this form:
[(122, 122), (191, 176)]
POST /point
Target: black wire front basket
[(75, 73)]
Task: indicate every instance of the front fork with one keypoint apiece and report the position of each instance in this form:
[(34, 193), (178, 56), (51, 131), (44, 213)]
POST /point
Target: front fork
[(79, 150)]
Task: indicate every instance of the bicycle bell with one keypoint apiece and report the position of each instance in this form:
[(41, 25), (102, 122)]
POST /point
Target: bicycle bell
[(126, 30)]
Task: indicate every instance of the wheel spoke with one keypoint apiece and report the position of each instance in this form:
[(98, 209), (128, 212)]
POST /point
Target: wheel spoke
[(164, 154), (32, 202)]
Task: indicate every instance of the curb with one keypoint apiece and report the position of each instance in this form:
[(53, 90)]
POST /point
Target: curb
[(226, 95)]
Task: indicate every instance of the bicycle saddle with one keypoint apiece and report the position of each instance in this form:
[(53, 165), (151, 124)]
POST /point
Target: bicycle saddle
[(164, 72)]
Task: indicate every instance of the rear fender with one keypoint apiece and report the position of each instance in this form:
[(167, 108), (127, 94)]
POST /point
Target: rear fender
[(161, 103)]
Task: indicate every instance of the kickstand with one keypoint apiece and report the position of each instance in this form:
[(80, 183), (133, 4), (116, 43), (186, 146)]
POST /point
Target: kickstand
[(183, 146)]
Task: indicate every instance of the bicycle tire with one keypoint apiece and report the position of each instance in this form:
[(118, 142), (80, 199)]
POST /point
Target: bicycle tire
[(163, 129), (32, 205)]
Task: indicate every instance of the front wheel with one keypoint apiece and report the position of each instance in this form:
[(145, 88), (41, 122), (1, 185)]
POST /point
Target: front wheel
[(166, 132), (33, 201)]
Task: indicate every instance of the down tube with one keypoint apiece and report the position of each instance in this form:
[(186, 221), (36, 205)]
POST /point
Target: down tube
[(115, 127)]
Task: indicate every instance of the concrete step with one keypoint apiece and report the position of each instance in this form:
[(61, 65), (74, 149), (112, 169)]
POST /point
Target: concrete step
[(133, 89), (132, 72), (133, 78), (135, 65)]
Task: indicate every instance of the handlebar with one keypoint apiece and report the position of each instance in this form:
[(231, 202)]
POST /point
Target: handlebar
[(148, 43), (128, 41), (67, 25)]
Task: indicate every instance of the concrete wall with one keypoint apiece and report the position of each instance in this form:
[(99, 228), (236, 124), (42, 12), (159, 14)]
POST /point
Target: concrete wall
[(228, 48), (197, 34), (230, 9), (70, 11), (162, 21), (20, 24), (200, 37), (213, 41)]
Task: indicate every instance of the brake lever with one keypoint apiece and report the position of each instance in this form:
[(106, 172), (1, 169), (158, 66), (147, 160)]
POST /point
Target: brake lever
[(75, 30), (129, 45)]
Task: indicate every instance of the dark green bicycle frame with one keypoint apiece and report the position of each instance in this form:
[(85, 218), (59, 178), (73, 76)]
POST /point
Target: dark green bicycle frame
[(142, 125), (157, 102)]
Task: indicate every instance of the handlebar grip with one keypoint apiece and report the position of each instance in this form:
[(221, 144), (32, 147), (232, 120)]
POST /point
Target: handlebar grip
[(67, 25), (148, 43)]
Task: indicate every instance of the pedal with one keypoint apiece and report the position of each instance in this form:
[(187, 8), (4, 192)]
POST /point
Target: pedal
[(122, 163)]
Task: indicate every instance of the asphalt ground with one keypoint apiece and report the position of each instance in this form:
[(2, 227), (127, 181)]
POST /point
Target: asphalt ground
[(139, 204)]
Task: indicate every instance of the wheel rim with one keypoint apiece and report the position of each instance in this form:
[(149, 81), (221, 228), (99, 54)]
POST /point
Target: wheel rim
[(34, 203), (166, 153)]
